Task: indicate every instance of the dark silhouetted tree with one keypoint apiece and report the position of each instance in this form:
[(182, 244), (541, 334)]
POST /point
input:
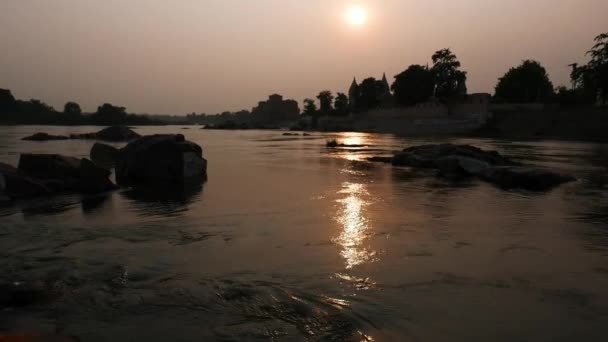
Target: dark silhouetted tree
[(597, 67), (526, 83), (341, 105), (370, 91), (8, 104), (310, 108), (35, 106), (108, 114), (449, 80), (326, 99), (414, 85), (72, 109)]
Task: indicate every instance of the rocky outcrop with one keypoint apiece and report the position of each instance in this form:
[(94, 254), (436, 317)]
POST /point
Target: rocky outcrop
[(48, 166), (93, 178), (427, 155), (460, 161), (334, 144), (529, 178), (104, 155), (160, 159), (13, 185), (112, 133), (50, 174), (40, 136)]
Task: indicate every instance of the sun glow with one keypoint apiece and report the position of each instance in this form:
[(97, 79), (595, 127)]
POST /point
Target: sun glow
[(356, 16)]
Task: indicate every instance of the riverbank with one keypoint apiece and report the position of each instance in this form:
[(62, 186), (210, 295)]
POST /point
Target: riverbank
[(571, 124)]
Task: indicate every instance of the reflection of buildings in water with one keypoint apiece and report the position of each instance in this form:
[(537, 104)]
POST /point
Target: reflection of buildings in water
[(356, 227)]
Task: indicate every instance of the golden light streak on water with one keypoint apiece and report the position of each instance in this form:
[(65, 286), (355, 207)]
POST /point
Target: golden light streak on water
[(356, 227)]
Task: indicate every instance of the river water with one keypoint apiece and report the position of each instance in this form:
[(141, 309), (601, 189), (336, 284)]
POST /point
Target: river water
[(291, 241)]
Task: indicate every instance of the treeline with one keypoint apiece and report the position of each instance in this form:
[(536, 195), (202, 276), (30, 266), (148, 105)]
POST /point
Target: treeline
[(530, 83), (444, 81), (36, 112), (243, 116)]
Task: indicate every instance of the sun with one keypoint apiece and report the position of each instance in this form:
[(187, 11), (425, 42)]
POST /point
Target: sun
[(356, 16)]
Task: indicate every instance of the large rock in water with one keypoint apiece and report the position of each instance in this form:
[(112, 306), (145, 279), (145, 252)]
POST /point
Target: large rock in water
[(13, 185), (112, 133), (427, 155), (41, 136), (63, 174), (458, 161), (93, 178), (529, 178), (48, 166), (104, 155), (160, 159)]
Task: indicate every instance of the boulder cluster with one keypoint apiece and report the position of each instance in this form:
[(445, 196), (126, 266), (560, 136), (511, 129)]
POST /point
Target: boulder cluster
[(460, 161), (148, 161), (112, 133)]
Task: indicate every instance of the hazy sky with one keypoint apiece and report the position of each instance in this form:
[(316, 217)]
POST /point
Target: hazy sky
[(180, 56)]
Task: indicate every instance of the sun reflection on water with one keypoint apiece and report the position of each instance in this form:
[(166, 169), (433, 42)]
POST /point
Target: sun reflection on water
[(352, 138), (355, 226)]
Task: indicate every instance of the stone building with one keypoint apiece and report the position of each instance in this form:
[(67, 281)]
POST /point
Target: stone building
[(276, 110)]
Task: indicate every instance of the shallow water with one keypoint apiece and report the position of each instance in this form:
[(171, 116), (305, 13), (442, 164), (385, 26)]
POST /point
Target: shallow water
[(291, 241)]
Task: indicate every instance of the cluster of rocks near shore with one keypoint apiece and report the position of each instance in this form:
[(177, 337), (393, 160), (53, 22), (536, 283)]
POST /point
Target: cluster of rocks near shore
[(464, 161), (148, 161), (112, 133)]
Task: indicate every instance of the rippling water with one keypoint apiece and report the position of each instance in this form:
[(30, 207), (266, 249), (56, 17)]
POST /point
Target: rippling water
[(291, 241)]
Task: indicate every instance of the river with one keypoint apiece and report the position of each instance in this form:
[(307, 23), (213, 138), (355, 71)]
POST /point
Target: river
[(291, 241)]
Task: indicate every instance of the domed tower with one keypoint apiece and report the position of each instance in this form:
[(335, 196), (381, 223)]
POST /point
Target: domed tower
[(353, 93)]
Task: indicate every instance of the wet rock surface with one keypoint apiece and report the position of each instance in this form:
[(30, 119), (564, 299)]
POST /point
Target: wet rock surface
[(462, 161), (41, 136), (50, 174), (13, 185), (112, 133), (167, 158), (103, 154)]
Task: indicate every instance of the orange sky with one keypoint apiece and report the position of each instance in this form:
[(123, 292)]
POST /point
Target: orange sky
[(181, 56)]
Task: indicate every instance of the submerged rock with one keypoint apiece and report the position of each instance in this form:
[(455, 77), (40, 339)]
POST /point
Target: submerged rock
[(429, 154), (112, 133), (160, 159), (380, 159), (104, 155), (524, 177), (41, 136), (460, 161), (334, 143)]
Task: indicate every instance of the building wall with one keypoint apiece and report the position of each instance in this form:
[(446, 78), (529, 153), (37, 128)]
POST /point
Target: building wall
[(276, 110), (462, 116)]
